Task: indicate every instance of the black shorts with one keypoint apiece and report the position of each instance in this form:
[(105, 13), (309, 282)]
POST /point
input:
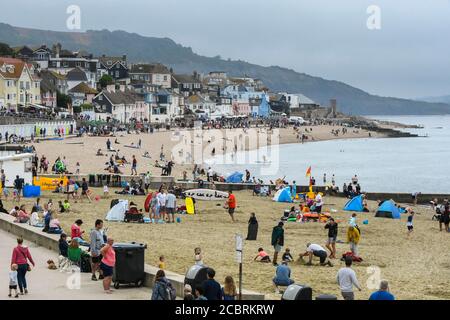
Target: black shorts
[(107, 270), (83, 192), (322, 255), (170, 210), (231, 211), (13, 287), (266, 258), (97, 259), (410, 228)]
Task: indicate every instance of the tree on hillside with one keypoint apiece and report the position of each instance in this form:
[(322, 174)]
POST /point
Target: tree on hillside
[(63, 100), (5, 50), (105, 80)]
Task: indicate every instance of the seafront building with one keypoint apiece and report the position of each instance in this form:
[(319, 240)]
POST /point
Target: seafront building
[(112, 88)]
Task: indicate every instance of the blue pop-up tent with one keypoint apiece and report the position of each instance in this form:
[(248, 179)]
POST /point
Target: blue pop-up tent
[(283, 195), (388, 209), (355, 204), (235, 178)]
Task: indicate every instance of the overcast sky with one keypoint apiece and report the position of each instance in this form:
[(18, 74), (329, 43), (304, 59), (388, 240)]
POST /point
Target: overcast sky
[(408, 57)]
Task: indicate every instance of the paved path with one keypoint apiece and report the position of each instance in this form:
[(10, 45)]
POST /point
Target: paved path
[(48, 284)]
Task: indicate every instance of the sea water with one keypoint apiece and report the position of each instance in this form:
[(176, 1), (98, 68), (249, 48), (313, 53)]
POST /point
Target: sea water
[(382, 164)]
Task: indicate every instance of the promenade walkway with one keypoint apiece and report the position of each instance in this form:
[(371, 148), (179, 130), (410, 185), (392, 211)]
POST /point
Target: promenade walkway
[(45, 284)]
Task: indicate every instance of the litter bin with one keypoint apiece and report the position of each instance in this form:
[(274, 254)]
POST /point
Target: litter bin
[(326, 297), (129, 268), (195, 276), (297, 292)]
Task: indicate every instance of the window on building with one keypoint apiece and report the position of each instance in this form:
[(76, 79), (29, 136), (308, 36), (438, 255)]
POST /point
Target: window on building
[(100, 98), (117, 74)]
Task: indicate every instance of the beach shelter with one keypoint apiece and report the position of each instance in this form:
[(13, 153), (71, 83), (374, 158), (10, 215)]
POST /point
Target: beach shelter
[(388, 210), (235, 178), (355, 204), (283, 195), (117, 213)]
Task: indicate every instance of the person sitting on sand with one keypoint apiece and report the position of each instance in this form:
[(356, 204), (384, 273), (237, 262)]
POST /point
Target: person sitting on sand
[(263, 256), (116, 142), (313, 249), (99, 152)]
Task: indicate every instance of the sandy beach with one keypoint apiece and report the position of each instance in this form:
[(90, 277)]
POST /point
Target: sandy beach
[(416, 268), (84, 149)]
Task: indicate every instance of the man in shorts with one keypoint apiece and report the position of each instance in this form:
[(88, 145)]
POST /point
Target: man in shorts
[(162, 204), (170, 206), (277, 241), (231, 205), (332, 227), (18, 186), (316, 250), (96, 245)]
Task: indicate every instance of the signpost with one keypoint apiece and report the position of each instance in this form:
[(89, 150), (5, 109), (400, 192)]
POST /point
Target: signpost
[(239, 249)]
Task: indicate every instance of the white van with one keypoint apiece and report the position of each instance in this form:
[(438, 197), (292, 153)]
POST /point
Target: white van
[(296, 120)]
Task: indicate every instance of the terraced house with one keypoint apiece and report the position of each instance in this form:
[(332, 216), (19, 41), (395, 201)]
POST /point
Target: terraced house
[(19, 85)]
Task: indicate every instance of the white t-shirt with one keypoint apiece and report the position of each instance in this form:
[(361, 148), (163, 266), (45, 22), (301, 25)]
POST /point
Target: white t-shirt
[(13, 278), (314, 247), (161, 199), (34, 220), (319, 201)]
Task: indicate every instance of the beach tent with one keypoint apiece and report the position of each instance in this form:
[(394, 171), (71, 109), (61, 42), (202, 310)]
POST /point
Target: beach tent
[(355, 204), (117, 213), (235, 178), (388, 210), (283, 195)]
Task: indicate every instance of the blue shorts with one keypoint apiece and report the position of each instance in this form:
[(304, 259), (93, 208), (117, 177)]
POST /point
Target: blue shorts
[(107, 270), (282, 283)]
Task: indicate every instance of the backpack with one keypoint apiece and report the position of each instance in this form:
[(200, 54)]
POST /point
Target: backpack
[(171, 291)]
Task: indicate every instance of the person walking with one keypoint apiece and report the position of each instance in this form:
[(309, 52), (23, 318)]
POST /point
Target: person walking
[(332, 227), (277, 241), (134, 166), (346, 278), (107, 264), (231, 203), (21, 256)]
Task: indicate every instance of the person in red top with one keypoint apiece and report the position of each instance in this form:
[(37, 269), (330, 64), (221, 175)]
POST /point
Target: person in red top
[(20, 256), (231, 205), (76, 231)]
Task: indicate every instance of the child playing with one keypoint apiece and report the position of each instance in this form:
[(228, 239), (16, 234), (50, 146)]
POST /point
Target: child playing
[(66, 205), (162, 263), (409, 223), (198, 256), (264, 257), (287, 256), (13, 281), (5, 193)]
